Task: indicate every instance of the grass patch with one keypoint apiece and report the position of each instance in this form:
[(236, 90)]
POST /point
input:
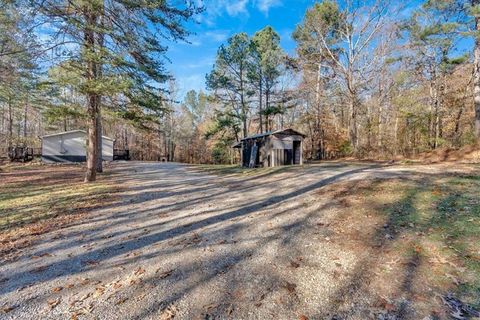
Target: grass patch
[(441, 215), (30, 194)]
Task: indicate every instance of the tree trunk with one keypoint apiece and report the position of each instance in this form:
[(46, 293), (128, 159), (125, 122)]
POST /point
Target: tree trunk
[(98, 125), (476, 95), (25, 113), (353, 124), (10, 123), (434, 110), (260, 106), (243, 105), (92, 100), (98, 129), (395, 135)]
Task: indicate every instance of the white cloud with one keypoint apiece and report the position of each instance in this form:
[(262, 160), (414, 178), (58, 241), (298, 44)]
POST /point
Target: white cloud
[(234, 8), (190, 82), (202, 63), (217, 35), (266, 5)]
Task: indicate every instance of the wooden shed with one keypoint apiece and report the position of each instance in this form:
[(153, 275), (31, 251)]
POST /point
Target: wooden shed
[(272, 149), (71, 146)]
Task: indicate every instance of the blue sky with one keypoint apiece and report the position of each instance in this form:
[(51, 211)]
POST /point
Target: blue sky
[(222, 19), (190, 62)]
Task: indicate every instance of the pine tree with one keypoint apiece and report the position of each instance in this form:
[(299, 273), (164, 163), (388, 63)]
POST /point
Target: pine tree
[(115, 46), (475, 11), (229, 78), (266, 69)]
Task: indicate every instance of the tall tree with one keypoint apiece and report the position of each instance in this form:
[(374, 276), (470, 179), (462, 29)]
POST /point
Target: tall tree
[(319, 27), (475, 10), (17, 64), (346, 36), (229, 78), (432, 35), (115, 46), (266, 69)]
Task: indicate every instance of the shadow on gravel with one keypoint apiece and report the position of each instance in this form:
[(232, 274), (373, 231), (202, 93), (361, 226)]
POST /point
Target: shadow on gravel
[(73, 265)]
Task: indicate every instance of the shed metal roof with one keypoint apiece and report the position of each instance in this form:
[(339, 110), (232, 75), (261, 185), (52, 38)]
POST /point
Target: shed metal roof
[(237, 145), (269, 133), (68, 132)]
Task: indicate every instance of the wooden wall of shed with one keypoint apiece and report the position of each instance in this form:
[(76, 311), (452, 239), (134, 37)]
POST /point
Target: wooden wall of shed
[(269, 148), (278, 143)]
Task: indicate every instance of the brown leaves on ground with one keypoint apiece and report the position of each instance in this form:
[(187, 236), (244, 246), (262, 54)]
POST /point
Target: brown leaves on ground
[(291, 287), (7, 309), (164, 274), (52, 303), (90, 263), (40, 200), (139, 271), (168, 313)]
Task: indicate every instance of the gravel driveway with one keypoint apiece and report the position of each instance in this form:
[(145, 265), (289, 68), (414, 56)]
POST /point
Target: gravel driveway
[(185, 244)]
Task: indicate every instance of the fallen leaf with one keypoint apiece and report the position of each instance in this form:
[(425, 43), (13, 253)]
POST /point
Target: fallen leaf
[(53, 303), (229, 309), (164, 274), (139, 271), (7, 309), (453, 278), (168, 313), (303, 317), (40, 269), (211, 306), (389, 307), (57, 289), (291, 287), (91, 262), (99, 291)]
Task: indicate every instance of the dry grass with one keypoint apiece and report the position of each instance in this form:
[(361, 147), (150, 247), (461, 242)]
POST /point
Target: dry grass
[(38, 198), (422, 237), (467, 154)]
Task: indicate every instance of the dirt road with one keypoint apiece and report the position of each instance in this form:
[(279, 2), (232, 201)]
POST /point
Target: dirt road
[(186, 244)]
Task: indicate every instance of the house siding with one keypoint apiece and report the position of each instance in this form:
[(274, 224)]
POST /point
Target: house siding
[(71, 147)]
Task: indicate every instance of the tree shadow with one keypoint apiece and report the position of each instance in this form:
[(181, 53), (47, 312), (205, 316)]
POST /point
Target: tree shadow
[(233, 253)]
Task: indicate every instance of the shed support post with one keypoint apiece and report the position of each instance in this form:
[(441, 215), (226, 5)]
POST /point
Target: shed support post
[(301, 153), (241, 155)]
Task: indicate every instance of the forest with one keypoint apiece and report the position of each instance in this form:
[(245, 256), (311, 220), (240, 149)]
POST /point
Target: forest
[(368, 79)]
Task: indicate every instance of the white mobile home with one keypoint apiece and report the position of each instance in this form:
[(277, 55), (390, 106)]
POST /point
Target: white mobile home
[(71, 146)]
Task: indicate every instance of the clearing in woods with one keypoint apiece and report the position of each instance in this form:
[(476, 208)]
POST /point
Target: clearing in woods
[(162, 241)]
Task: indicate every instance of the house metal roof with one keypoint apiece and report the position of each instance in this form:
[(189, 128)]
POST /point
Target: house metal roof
[(68, 132)]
